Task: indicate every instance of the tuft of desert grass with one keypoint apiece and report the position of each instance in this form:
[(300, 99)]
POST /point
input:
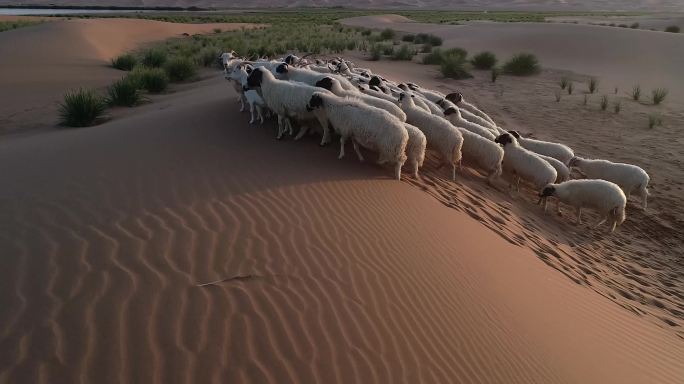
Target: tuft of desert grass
[(124, 92), (593, 85), (81, 108), (571, 87), (672, 29), (153, 80), (636, 92), (564, 82), (658, 95), (484, 60), (495, 74), (124, 62), (154, 58), (654, 120), (522, 64), (180, 68)]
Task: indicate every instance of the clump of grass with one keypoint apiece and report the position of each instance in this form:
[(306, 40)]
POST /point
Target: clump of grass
[(586, 99), (404, 53), (180, 68), (153, 80), (484, 60), (217, 30), (522, 64), (387, 49), (658, 95), (124, 92), (617, 107), (154, 58), (426, 38), (387, 34), (376, 52), (564, 81), (604, 102), (634, 25), (495, 74), (437, 56), (427, 48), (124, 62), (636, 92), (81, 108), (593, 85), (570, 88), (207, 57), (672, 29), (453, 66), (654, 121), (366, 32), (558, 96), (408, 38)]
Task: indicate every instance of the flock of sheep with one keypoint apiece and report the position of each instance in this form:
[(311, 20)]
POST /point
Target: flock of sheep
[(400, 121)]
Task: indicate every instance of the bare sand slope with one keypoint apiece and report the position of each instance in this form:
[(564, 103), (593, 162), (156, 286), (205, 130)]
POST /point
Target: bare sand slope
[(617, 56), (335, 273), (40, 63)]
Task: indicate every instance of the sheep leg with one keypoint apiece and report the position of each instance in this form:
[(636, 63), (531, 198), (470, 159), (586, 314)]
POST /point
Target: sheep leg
[(242, 102), (358, 152), (342, 141), (326, 131), (397, 170), (251, 113), (301, 133), (601, 221), (280, 127), (517, 183), (558, 207), (613, 223), (643, 192), (415, 169), (546, 200), (579, 215), (260, 113), (453, 172)]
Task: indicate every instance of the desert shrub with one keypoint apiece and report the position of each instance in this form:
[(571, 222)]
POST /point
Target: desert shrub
[(593, 85), (658, 95), (570, 88), (408, 38), (153, 80), (366, 32), (453, 66), (124, 92), (618, 106), (427, 48), (179, 68), (564, 81), (154, 58), (376, 52), (636, 92), (426, 38), (217, 30), (437, 56), (495, 74), (634, 25), (604, 102), (387, 49), (404, 53), (654, 121), (672, 29), (124, 62), (81, 108), (522, 64), (484, 60), (387, 34), (207, 57)]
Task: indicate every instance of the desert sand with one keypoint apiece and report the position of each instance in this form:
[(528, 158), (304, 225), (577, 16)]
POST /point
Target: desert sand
[(326, 270)]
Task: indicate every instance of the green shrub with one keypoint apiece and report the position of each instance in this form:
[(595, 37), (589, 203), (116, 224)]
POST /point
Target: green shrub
[(593, 85), (153, 80), (427, 48), (564, 81), (154, 58), (217, 30), (634, 25), (366, 32), (438, 56), (81, 108), (636, 92), (426, 38), (387, 49), (495, 74), (376, 52), (124, 62), (672, 29), (484, 60), (387, 34), (207, 57), (408, 38), (654, 120), (658, 95), (124, 92), (522, 64), (404, 53), (453, 66), (179, 68)]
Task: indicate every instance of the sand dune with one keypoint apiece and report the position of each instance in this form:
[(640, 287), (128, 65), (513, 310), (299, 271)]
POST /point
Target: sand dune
[(327, 271), (617, 56), (42, 62)]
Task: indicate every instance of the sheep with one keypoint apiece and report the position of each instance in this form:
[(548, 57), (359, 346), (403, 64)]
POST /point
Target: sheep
[(526, 164), (285, 98), (236, 77), (367, 126), (287, 72), (558, 151), (441, 135), (334, 86), (562, 171), (457, 98), (226, 57), (452, 114), (629, 177), (605, 197), (250, 96), (469, 117), (415, 149), (485, 153)]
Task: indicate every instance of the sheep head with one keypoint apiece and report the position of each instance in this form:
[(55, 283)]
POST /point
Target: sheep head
[(515, 134), (454, 97), (325, 82), (504, 139), (549, 190), (316, 101), (255, 78)]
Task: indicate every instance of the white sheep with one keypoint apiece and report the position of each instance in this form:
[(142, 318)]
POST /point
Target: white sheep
[(458, 98), (558, 151), (334, 86), (605, 197), (415, 149), (249, 96), (455, 100), (441, 135), (630, 178), (306, 76), (485, 153), (452, 114), (465, 116), (562, 171), (226, 57), (367, 126), (525, 164), (287, 99)]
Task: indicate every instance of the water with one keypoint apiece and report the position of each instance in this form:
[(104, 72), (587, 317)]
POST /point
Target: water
[(38, 12)]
